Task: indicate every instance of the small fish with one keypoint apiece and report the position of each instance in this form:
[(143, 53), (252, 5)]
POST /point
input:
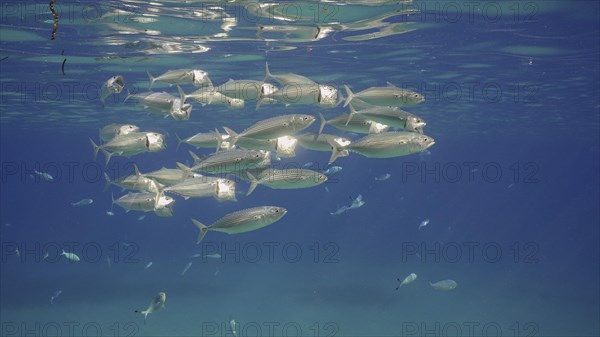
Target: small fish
[(383, 177), (407, 280), (274, 127), (389, 95), (83, 202), (141, 217), (233, 326), (196, 77), (113, 85), (71, 256), (197, 255), (148, 265), (356, 203), (53, 297), (213, 256), (7, 225), (110, 213), (186, 268), (157, 303), (44, 175), (45, 256), (444, 285), (17, 252), (332, 170), (423, 223), (242, 221), (309, 164)]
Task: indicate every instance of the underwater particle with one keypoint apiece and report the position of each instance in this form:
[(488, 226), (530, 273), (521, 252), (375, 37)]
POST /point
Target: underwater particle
[(83, 202), (56, 19), (423, 223)]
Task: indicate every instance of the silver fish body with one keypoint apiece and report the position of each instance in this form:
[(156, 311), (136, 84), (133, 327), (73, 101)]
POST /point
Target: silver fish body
[(209, 95), (287, 78), (293, 178), (131, 144), (444, 285), (320, 142), (357, 123), (182, 76), (385, 96), (387, 145), (146, 202), (232, 161), (246, 89), (274, 127), (211, 139), (242, 221), (284, 146), (392, 116), (157, 303), (136, 181), (168, 177), (113, 85), (219, 188), (113, 130)]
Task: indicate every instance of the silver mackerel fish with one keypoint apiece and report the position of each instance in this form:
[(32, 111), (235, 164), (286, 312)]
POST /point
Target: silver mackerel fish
[(242, 221)]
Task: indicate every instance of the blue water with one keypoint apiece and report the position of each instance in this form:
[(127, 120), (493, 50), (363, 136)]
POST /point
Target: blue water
[(511, 186)]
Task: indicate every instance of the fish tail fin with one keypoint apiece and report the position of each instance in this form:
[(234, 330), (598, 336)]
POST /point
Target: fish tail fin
[(341, 98), (232, 135), (108, 182), (253, 183), (182, 96), (179, 141), (259, 102), (128, 95), (145, 313), (352, 113), (268, 74), (323, 122), (349, 94), (203, 229), (96, 148), (107, 155), (219, 140), (151, 78), (335, 151)]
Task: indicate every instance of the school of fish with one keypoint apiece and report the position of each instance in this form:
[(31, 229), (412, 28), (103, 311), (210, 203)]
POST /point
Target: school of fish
[(249, 154)]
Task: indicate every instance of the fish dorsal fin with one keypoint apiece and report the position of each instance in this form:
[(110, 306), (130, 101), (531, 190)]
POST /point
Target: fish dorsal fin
[(136, 170), (391, 85)]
